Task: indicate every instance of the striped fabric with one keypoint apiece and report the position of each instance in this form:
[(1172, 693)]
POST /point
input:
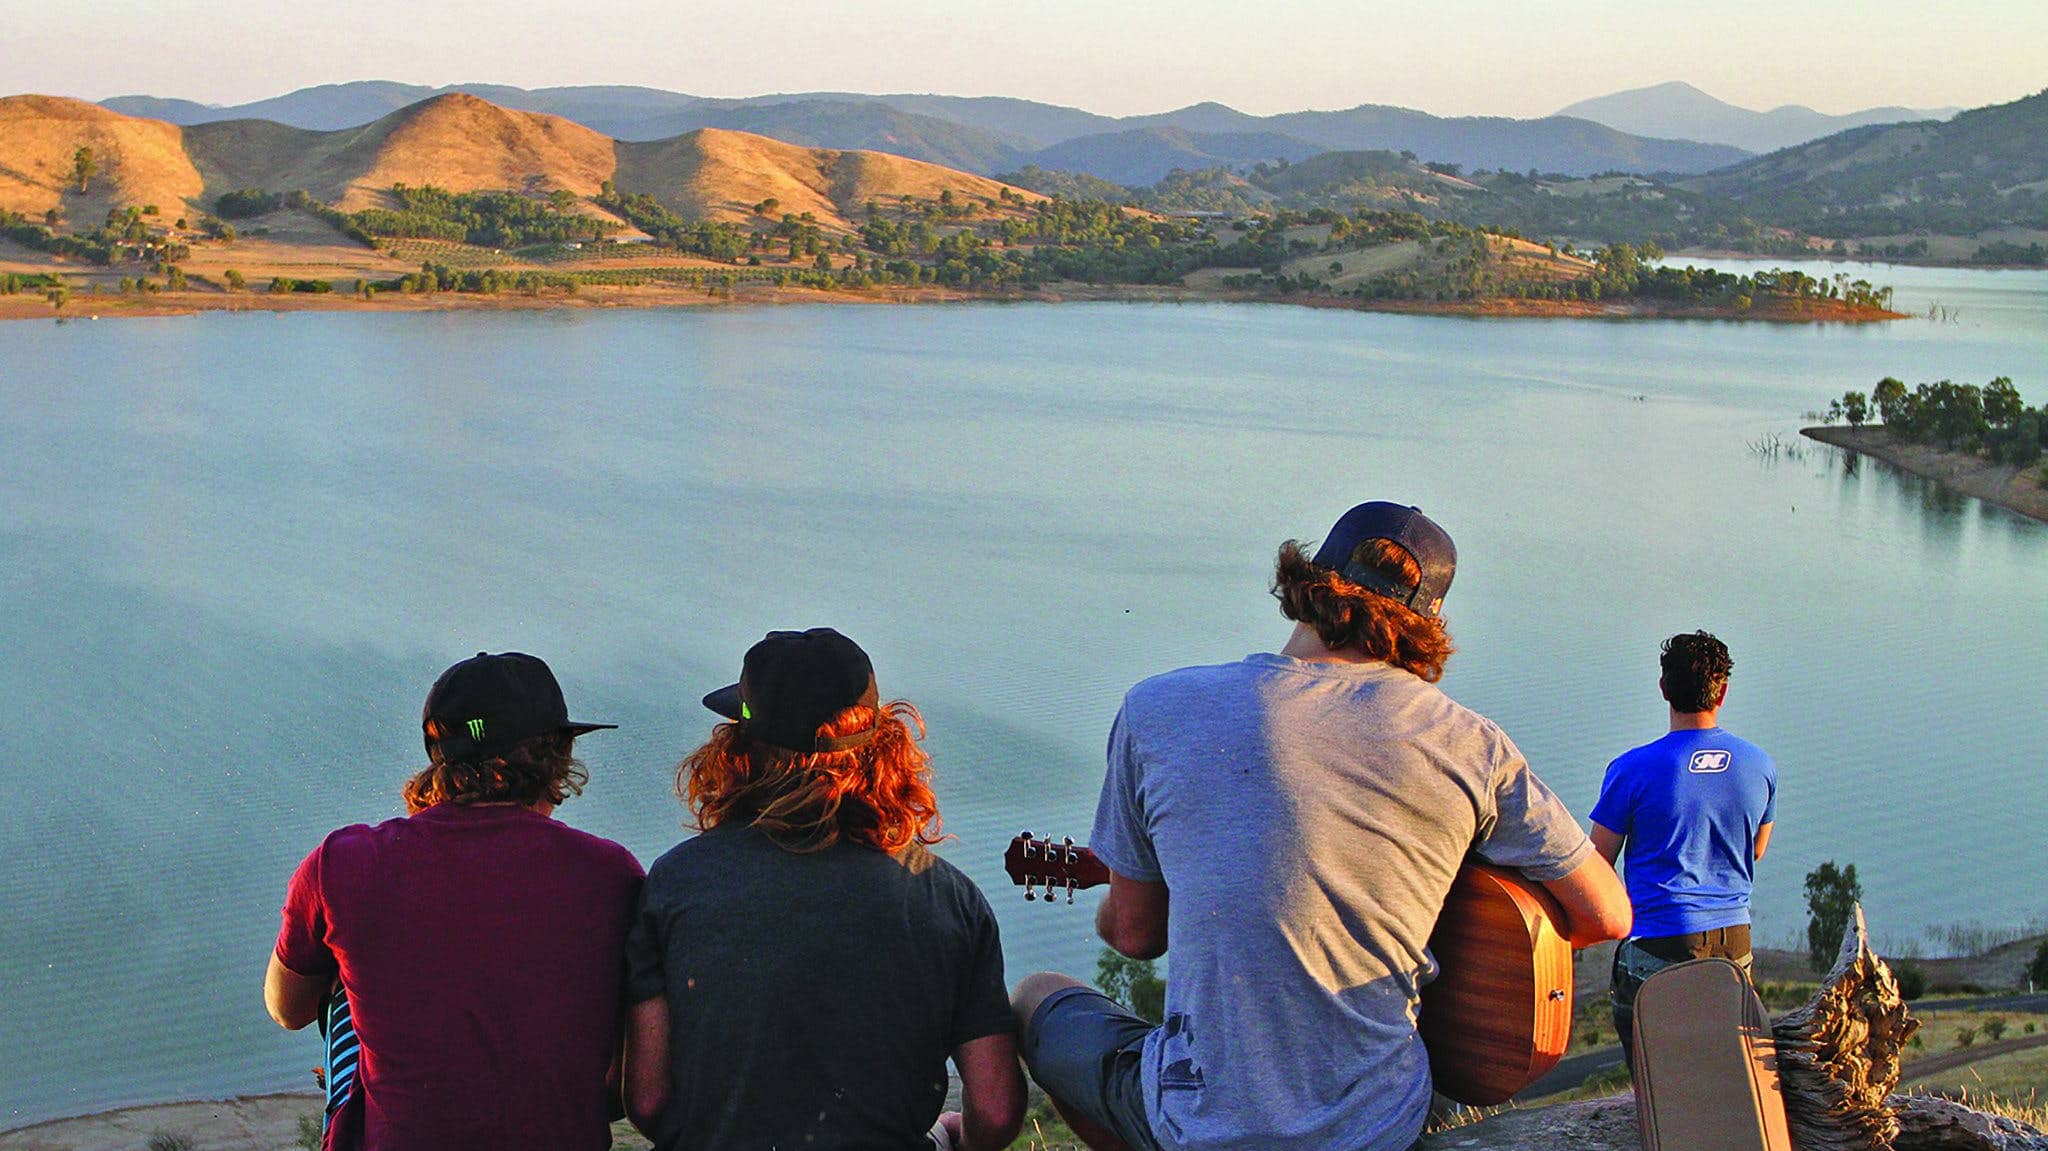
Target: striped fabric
[(342, 1050)]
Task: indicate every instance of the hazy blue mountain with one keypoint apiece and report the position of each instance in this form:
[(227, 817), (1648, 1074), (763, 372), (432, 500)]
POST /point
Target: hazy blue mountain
[(1679, 111), (1208, 116), (1559, 144), (1145, 155), (1554, 144), (1023, 123), (158, 108), (1987, 163), (990, 134), (327, 107), (841, 124)]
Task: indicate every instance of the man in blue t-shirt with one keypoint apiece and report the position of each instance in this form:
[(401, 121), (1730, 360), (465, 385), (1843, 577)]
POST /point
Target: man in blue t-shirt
[(1688, 817)]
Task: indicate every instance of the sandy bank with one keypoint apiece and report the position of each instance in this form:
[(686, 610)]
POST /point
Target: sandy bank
[(2016, 489)]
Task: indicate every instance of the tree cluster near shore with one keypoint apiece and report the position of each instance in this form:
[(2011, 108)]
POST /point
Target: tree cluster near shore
[(1000, 243), (1992, 420)]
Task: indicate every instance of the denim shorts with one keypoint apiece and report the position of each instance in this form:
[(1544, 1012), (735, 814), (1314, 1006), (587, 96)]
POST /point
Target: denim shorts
[(1088, 1052)]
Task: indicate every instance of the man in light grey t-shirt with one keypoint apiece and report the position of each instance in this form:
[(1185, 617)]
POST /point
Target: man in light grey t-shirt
[(1287, 827)]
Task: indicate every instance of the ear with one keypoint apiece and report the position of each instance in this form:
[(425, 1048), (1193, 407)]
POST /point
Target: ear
[(1661, 690), (1721, 697)]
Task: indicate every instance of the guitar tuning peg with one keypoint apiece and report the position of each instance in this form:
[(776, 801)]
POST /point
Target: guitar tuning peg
[(1070, 891), (1030, 896)]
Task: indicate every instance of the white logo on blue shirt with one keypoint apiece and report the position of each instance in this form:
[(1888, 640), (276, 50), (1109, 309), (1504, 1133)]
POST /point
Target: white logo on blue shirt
[(1708, 762)]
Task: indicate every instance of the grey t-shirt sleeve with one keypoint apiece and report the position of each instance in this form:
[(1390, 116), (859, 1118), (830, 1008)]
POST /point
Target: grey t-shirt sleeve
[(1529, 828), (645, 976), (1121, 839), (984, 1005)]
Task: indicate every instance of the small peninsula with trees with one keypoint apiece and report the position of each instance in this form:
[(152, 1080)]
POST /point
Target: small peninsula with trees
[(1980, 441)]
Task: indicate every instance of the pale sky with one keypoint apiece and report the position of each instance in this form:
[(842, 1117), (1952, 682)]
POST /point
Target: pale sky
[(1449, 57)]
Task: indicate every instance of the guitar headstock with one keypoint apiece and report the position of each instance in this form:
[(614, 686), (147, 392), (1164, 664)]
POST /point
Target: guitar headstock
[(1064, 865)]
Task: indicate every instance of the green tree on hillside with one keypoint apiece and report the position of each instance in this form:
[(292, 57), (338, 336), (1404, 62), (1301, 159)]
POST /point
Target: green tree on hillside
[(1831, 897), (2037, 971), (82, 167)]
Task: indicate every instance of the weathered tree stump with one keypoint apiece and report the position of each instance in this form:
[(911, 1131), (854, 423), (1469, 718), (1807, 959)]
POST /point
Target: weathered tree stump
[(1839, 1053)]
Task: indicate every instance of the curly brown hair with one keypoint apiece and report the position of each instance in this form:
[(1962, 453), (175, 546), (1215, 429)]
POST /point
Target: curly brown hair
[(878, 794), (1696, 669), (543, 768), (1346, 616)]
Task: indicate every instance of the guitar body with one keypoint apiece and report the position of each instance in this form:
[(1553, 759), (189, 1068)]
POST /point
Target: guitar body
[(1499, 1014)]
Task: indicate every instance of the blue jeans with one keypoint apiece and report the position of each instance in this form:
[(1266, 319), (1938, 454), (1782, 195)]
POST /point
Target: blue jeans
[(1088, 1052), (1635, 960)]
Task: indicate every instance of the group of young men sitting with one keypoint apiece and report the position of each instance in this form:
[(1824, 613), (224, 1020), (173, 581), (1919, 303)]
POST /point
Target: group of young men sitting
[(1286, 828)]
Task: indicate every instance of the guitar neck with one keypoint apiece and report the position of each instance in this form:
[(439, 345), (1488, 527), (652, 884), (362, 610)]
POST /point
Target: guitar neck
[(1033, 863)]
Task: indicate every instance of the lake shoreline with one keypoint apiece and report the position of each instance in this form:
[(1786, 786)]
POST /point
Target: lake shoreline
[(29, 306), (2013, 488)]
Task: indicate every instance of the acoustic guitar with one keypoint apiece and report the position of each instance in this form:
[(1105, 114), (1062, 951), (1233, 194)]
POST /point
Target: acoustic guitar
[(1499, 1013)]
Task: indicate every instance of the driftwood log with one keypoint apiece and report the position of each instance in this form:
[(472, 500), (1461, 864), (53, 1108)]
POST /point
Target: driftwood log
[(1926, 1124), (1930, 1123), (1839, 1053)]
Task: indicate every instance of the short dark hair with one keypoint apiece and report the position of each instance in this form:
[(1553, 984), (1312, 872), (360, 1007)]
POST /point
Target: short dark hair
[(1346, 616), (543, 767), (1696, 669)]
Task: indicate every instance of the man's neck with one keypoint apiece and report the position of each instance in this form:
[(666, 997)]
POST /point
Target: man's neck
[(1695, 720), (1307, 646)]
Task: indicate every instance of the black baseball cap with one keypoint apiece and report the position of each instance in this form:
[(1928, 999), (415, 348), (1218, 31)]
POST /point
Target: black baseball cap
[(1418, 535), (792, 682), (482, 706)]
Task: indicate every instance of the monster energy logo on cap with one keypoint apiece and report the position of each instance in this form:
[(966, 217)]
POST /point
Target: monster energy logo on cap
[(482, 707)]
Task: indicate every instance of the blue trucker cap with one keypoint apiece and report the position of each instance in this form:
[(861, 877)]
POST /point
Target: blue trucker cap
[(1406, 527)]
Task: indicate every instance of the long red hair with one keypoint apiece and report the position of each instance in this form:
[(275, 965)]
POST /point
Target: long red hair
[(1345, 615), (878, 794)]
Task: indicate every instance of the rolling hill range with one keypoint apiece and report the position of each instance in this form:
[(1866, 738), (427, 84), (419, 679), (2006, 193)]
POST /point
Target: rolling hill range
[(1987, 167), (995, 134), (457, 142), (1679, 111)]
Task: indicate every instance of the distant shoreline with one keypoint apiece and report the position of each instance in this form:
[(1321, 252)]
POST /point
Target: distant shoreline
[(2012, 488), (81, 306)]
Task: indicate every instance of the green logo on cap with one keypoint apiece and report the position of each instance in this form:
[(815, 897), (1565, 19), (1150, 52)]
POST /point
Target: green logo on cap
[(476, 730), (745, 711)]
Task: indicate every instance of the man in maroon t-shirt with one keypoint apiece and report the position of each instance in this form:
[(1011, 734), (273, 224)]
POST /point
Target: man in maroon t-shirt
[(478, 941)]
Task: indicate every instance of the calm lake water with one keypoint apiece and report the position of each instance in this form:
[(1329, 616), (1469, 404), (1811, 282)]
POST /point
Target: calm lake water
[(236, 549)]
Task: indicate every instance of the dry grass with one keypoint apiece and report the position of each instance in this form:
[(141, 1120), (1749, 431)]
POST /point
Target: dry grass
[(2018, 1076), (456, 141), (139, 161), (720, 175)]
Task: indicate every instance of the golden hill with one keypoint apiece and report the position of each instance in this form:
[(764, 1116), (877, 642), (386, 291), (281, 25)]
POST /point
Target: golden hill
[(457, 142), (139, 162), (720, 175)]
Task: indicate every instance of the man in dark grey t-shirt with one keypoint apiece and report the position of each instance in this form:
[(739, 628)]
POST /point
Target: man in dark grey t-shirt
[(1307, 812), (802, 971)]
